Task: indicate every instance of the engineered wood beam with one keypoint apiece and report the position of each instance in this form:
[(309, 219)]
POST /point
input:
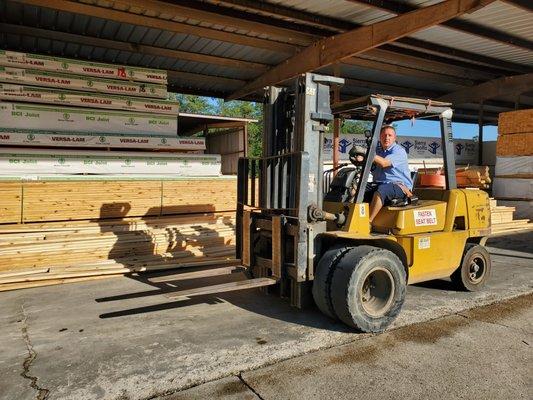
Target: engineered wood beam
[(22, 30), (335, 48), (471, 28)]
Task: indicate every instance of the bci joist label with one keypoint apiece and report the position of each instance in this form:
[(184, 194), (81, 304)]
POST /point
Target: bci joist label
[(17, 161), (101, 70), (24, 137), (34, 94), (75, 119), (59, 80)]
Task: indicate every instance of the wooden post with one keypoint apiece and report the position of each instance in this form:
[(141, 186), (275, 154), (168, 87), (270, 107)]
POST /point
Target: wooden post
[(245, 140), (480, 138), (336, 122)]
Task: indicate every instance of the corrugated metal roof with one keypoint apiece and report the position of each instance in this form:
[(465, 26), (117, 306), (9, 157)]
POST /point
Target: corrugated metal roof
[(340, 9), (475, 44), (503, 17)]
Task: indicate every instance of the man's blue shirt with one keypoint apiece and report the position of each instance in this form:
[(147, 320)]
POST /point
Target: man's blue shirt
[(398, 171)]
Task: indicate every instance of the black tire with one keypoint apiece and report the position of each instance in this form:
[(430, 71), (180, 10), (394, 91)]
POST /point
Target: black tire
[(321, 282), (368, 288), (475, 269)]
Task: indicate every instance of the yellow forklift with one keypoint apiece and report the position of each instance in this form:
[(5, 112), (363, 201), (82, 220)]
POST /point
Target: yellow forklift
[(308, 238)]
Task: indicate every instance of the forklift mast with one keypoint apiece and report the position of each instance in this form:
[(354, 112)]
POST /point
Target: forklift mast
[(275, 236)]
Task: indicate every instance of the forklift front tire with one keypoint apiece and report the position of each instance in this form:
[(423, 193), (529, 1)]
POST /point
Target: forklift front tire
[(323, 274), (368, 288), (475, 269)]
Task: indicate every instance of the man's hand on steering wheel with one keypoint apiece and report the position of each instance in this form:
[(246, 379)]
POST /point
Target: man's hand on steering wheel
[(357, 155)]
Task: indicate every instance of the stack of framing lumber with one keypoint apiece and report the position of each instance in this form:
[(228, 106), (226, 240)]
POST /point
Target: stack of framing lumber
[(96, 199), (514, 161), (502, 219), (473, 176), (41, 254)]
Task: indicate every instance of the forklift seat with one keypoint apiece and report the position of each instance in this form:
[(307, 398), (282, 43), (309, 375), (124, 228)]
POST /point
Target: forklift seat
[(401, 220)]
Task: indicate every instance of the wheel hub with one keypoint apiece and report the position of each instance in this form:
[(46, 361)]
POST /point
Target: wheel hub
[(377, 292), (476, 270)]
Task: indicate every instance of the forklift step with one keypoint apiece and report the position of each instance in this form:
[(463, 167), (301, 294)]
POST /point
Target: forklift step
[(197, 274), (225, 287)]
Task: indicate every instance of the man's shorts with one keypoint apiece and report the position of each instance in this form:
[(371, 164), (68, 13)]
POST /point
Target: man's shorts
[(387, 192)]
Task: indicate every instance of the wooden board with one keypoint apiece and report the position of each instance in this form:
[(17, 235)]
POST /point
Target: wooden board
[(519, 144), (10, 202), (520, 121), (98, 199)]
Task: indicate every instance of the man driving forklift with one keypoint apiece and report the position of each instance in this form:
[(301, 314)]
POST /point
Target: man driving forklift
[(392, 178)]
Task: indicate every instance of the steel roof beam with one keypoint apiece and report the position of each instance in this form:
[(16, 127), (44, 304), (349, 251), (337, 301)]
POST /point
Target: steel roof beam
[(335, 48), (458, 25), (207, 14), (509, 85), (129, 47), (162, 24), (337, 26)]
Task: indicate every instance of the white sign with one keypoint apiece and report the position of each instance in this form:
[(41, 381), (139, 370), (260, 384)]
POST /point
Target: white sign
[(76, 139), (16, 161), (12, 92), (416, 147), (76, 119), (58, 80), (425, 217), (35, 61), (424, 243)]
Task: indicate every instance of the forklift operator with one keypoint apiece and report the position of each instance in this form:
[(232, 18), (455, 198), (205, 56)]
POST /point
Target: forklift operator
[(392, 178)]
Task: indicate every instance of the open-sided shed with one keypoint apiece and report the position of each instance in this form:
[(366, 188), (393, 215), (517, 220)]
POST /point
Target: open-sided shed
[(476, 54)]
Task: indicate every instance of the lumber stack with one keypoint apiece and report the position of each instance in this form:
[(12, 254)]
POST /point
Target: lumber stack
[(502, 219), (513, 184), (467, 177), (61, 102), (63, 200), (60, 252)]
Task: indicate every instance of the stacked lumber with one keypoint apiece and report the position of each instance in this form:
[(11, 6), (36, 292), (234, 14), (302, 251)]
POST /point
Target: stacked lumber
[(502, 219), (473, 176), (60, 252), (467, 177), (60, 200), (60, 102), (513, 182)]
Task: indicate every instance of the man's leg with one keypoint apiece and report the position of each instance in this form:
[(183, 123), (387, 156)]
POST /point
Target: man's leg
[(375, 206), (383, 196)]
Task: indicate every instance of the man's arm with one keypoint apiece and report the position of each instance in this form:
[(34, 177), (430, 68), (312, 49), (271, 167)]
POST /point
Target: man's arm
[(382, 162)]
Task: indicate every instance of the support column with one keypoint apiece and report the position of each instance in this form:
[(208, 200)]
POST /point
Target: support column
[(480, 135), (336, 122)]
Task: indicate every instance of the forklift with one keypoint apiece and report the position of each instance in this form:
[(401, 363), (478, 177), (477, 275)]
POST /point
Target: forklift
[(310, 239)]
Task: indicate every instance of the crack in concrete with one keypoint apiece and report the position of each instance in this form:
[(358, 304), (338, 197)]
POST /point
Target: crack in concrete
[(249, 386), (42, 393)]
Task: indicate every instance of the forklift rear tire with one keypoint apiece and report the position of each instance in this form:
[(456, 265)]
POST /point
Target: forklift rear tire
[(323, 274), (368, 288), (475, 269)]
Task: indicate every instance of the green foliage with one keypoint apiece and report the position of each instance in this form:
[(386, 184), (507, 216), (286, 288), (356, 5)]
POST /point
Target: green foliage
[(193, 104), (354, 127), (245, 109)]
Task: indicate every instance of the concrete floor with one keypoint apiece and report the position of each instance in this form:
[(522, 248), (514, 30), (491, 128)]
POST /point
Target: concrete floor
[(122, 339)]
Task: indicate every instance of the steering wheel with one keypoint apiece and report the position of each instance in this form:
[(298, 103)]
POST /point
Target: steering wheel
[(357, 155)]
